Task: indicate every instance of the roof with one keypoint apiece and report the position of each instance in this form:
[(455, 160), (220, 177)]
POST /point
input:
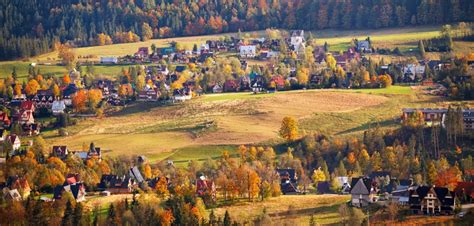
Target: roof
[(323, 187), (379, 174), (361, 185), (27, 105), (60, 150), (290, 172), (114, 181), (135, 173), (297, 33), (443, 194)]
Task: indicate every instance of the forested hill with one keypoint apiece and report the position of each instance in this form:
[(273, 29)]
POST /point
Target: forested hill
[(30, 27)]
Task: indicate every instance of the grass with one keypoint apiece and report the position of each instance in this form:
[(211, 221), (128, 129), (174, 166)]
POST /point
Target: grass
[(406, 90), (6, 69), (233, 96), (289, 208), (205, 126)]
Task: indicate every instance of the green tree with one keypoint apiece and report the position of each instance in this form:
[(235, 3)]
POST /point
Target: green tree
[(68, 215), (227, 219)]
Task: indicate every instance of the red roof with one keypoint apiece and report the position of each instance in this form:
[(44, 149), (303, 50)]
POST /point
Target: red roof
[(4, 117), (27, 105)]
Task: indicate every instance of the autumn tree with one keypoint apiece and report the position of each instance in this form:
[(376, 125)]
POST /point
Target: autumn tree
[(18, 89), (318, 176), (94, 96), (147, 32), (32, 87), (289, 129), (303, 76), (67, 56), (66, 79), (79, 101), (161, 187)]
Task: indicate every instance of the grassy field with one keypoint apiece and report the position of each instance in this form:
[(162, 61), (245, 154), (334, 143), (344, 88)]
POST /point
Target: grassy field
[(289, 209), (181, 133), (21, 67), (404, 38)]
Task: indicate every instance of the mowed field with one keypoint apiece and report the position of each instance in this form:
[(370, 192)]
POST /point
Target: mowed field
[(290, 209), (206, 126)]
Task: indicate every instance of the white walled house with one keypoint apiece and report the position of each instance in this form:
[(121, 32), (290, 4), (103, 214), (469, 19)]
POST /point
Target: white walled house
[(248, 51)]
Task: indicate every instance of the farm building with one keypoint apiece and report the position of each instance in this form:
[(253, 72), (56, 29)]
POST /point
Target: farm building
[(248, 51), (108, 60)]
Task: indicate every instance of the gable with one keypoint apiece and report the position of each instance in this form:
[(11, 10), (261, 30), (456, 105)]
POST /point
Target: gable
[(360, 188)]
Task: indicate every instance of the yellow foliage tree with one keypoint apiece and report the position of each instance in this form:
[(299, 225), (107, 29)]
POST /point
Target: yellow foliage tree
[(303, 76), (318, 176), (32, 87), (162, 187), (17, 89), (289, 129)]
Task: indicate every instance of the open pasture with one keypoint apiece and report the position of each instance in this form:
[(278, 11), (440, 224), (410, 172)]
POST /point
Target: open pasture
[(206, 126)]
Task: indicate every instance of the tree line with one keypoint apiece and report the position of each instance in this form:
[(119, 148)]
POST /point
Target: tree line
[(32, 27)]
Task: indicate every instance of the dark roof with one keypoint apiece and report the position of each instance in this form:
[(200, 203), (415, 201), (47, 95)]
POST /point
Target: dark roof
[(443, 194), (114, 181), (379, 174), (367, 182), (288, 188), (323, 187), (284, 172), (180, 68)]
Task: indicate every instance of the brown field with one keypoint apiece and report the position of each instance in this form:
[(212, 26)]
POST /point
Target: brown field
[(246, 121), (289, 209)]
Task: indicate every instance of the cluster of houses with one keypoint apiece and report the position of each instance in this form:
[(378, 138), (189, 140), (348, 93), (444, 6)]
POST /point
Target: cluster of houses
[(436, 116), (264, 49), (421, 199)]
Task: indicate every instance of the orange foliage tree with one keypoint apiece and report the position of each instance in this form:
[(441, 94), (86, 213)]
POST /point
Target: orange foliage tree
[(79, 101), (32, 87)]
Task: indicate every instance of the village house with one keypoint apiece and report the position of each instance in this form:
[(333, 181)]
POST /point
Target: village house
[(73, 186), (231, 85), (432, 200), (4, 120), (108, 60), (248, 51), (205, 187), (23, 117), (20, 184), (363, 46), (362, 192), (11, 194), (60, 152), (148, 95), (217, 88), (142, 53), (116, 184), (136, 175), (58, 107), (288, 181), (93, 152), (14, 140), (30, 129), (43, 99), (297, 41), (434, 116), (67, 93), (413, 73)]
